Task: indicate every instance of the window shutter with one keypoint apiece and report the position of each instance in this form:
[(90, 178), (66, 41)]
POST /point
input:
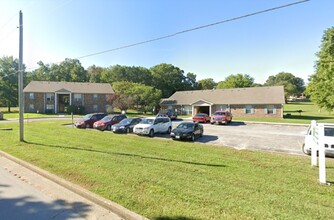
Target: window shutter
[(274, 111), (252, 110)]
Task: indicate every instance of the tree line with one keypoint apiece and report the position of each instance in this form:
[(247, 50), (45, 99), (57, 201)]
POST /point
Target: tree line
[(140, 87)]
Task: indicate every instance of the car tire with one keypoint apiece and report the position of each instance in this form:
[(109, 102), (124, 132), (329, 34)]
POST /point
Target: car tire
[(151, 133), (87, 126), (201, 134), (305, 151), (109, 127), (169, 130), (127, 130), (193, 137)]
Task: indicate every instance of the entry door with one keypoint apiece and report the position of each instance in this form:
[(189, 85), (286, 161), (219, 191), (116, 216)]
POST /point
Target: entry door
[(63, 102)]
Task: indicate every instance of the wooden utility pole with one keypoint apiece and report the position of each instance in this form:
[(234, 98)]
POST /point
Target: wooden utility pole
[(20, 79)]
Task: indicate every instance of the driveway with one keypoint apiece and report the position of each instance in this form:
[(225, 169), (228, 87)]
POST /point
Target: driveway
[(255, 136)]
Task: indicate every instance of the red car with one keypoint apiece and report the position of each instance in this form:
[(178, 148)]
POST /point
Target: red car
[(88, 120), (221, 117), (201, 117), (106, 122)]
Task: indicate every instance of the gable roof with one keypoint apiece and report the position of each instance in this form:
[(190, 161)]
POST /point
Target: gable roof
[(252, 95), (73, 87)]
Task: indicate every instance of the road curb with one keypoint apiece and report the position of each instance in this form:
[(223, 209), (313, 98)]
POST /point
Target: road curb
[(107, 204)]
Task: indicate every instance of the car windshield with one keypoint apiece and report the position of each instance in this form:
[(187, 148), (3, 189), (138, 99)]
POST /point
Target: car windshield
[(87, 116), (125, 121), (200, 115), (185, 125), (148, 121), (220, 113), (106, 118), (329, 131)]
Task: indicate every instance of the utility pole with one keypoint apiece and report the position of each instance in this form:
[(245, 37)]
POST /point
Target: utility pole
[(20, 79)]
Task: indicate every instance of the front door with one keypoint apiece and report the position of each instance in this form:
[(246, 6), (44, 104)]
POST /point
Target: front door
[(63, 102)]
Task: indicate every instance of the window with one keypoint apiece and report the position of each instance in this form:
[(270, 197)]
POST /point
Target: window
[(187, 109), (95, 96), (31, 107), (270, 110), (77, 97), (50, 97), (49, 107), (95, 108), (31, 95), (222, 107), (249, 109)]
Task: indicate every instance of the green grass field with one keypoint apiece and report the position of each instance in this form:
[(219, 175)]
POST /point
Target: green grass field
[(164, 179)]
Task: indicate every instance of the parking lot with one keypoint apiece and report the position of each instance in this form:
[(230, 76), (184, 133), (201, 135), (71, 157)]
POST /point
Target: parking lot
[(254, 136)]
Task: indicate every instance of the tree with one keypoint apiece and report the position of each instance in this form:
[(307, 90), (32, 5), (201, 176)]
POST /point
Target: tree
[(321, 86), (208, 83), (293, 86), (95, 73), (168, 79), (123, 102), (236, 81), (9, 68)]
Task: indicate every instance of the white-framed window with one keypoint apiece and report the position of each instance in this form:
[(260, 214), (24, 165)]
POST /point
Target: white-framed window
[(187, 109), (77, 97), (50, 96), (31, 107), (49, 107), (222, 107), (270, 110), (95, 108), (249, 109), (31, 95), (95, 96)]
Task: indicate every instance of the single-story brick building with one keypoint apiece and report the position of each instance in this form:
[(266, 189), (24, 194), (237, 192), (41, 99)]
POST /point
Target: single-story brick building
[(241, 102), (56, 97)]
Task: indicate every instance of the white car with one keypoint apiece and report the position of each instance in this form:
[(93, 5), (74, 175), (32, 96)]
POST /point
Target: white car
[(150, 126), (328, 139)]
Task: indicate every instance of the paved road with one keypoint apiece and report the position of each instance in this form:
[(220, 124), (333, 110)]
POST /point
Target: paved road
[(26, 195)]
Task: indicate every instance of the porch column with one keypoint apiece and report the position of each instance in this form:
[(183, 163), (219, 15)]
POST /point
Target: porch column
[(56, 103)]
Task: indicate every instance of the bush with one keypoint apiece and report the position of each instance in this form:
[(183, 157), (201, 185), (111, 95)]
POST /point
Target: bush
[(76, 109)]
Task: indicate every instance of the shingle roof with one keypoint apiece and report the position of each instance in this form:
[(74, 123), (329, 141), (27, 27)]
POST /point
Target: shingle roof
[(74, 87), (253, 95)]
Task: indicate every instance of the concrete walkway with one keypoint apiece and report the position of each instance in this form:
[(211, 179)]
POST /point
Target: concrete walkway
[(27, 192)]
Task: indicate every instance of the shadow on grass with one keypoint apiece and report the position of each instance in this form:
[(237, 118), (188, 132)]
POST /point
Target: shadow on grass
[(128, 155), (301, 117), (174, 218)]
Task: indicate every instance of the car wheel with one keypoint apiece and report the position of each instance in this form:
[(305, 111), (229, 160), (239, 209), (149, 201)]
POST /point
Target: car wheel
[(87, 126), (305, 151), (201, 134), (169, 130), (127, 130), (109, 127), (193, 137), (151, 134)]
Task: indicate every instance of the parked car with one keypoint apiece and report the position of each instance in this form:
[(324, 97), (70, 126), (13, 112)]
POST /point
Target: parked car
[(201, 117), (126, 125), (328, 139), (106, 122), (88, 120), (221, 117), (150, 126), (187, 131), (169, 113)]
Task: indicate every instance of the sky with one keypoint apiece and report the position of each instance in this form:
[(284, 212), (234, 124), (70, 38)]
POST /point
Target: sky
[(282, 40)]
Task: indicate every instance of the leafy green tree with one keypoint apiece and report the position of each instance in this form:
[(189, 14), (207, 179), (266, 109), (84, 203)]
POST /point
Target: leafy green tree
[(9, 68), (208, 83), (168, 79), (236, 81), (321, 86), (293, 86), (95, 73)]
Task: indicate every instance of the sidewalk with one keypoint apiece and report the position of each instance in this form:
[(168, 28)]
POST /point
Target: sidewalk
[(27, 192)]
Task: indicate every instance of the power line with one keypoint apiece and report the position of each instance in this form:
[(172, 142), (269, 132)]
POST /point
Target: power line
[(186, 31), (193, 29)]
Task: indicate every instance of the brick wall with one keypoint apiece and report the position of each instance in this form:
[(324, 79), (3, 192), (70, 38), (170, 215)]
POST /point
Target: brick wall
[(259, 111), (37, 102)]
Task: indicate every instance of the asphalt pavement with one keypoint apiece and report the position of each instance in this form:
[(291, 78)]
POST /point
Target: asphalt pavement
[(30, 193)]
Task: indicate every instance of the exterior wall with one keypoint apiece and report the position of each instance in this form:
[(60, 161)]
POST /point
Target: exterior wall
[(258, 111), (100, 102), (37, 102)]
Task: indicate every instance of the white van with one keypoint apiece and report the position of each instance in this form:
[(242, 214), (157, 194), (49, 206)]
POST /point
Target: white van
[(150, 126), (328, 139)]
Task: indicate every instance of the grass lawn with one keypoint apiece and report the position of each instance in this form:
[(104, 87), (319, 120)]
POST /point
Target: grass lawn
[(165, 179)]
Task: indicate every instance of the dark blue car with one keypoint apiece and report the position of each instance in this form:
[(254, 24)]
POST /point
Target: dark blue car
[(126, 125), (187, 131)]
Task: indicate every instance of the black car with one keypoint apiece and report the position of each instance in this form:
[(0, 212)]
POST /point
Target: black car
[(187, 131), (126, 125)]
